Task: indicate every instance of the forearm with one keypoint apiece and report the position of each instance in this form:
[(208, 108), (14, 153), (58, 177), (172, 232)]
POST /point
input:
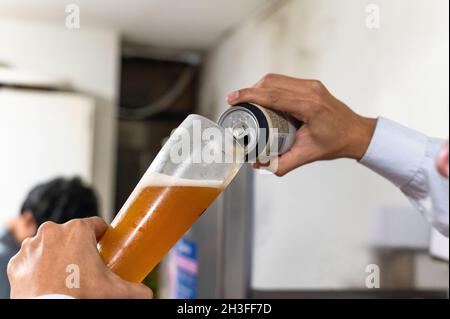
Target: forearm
[(407, 158)]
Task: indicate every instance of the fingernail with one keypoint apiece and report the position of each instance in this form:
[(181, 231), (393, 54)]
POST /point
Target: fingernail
[(233, 96)]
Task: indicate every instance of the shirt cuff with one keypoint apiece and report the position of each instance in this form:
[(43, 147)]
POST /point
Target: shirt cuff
[(395, 152)]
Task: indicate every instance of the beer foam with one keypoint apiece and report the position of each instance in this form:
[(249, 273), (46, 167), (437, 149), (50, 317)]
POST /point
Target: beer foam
[(158, 179)]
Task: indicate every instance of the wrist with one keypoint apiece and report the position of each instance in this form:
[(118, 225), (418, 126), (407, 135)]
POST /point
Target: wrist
[(362, 136)]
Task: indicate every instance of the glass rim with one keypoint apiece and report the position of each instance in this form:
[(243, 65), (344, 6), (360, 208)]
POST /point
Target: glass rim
[(204, 119)]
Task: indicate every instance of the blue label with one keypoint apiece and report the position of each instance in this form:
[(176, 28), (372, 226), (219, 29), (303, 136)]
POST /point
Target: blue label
[(186, 261)]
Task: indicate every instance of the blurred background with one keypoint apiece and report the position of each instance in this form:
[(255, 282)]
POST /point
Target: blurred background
[(92, 90)]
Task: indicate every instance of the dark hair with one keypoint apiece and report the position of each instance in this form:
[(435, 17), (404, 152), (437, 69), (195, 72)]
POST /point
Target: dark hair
[(61, 200)]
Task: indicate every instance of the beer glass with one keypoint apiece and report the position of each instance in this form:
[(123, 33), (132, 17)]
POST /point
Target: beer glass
[(191, 170)]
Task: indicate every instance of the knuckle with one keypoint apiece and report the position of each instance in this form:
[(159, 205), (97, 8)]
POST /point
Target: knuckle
[(244, 93), (46, 228), (317, 86), (26, 242), (248, 94), (95, 218), (267, 80), (11, 267), (76, 223), (98, 220), (78, 227)]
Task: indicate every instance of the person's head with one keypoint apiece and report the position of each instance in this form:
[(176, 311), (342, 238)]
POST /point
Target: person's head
[(59, 201)]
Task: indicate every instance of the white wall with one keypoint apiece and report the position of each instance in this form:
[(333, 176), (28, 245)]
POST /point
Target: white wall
[(89, 59), (312, 226), (43, 135)]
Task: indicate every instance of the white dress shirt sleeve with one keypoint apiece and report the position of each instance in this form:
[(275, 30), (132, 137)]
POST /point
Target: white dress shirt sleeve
[(408, 159)]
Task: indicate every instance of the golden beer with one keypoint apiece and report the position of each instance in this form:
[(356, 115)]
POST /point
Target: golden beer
[(158, 213), (173, 193)]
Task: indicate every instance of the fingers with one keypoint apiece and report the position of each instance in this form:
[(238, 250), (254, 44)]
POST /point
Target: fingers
[(307, 89), (139, 291), (123, 289), (283, 164), (97, 225), (285, 83), (289, 161), (272, 98), (442, 161), (258, 165)]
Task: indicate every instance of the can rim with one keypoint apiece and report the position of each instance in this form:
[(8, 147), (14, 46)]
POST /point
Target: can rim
[(257, 115), (236, 108)]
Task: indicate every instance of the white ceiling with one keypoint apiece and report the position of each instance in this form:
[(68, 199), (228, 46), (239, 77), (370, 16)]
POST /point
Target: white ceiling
[(187, 24)]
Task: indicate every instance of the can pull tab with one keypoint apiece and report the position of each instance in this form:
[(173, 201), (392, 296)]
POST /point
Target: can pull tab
[(241, 134), (239, 131)]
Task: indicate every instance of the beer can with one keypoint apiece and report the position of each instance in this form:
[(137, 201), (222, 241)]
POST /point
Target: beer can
[(263, 133)]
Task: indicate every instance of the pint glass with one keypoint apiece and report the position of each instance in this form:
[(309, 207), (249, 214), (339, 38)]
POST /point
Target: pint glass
[(191, 170)]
